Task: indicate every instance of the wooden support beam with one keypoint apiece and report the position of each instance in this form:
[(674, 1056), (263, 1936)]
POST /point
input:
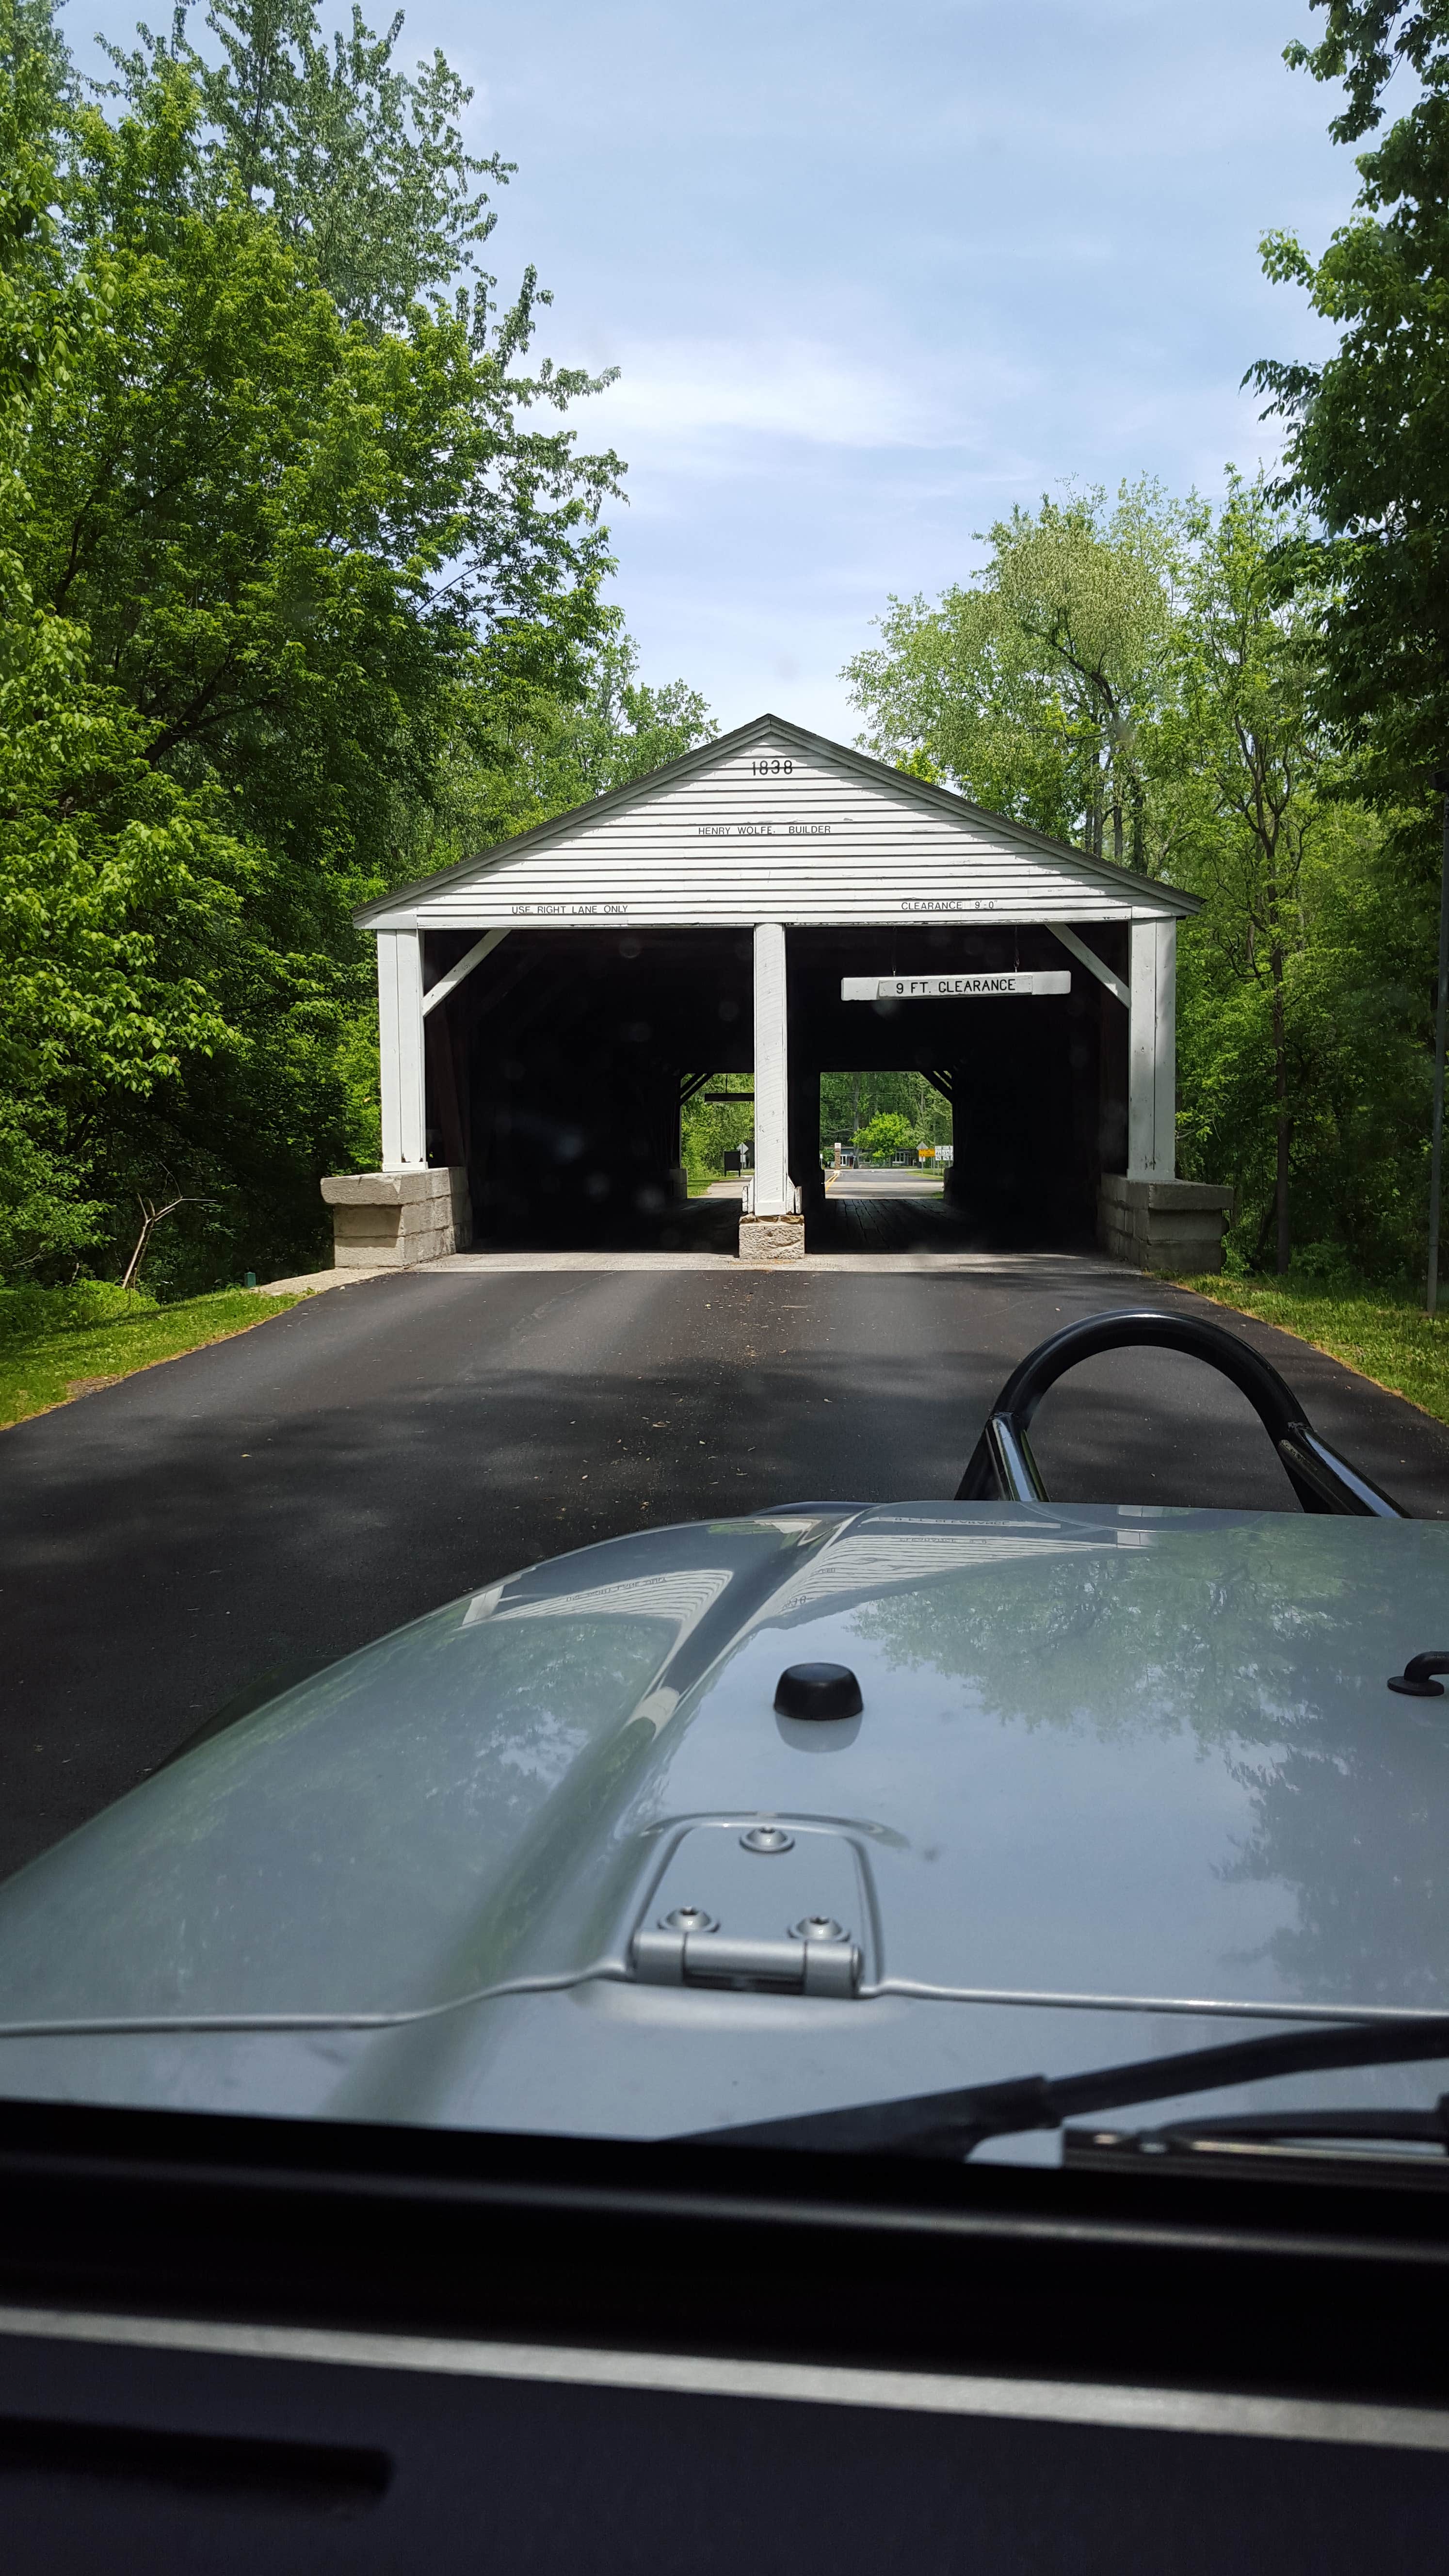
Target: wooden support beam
[(1078, 948), (455, 975)]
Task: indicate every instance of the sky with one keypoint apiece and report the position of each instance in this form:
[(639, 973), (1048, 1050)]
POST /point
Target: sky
[(873, 273)]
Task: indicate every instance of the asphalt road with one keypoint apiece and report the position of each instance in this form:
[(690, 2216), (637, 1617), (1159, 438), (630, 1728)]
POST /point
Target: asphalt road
[(358, 1459)]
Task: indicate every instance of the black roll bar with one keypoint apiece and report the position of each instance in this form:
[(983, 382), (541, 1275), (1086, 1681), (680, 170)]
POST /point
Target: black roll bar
[(1001, 1466)]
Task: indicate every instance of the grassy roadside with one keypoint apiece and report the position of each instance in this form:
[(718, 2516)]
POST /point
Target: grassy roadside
[(58, 1343), (1385, 1337)]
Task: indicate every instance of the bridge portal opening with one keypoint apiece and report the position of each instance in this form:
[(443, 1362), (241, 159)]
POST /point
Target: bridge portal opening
[(1036, 1083), (558, 1070)]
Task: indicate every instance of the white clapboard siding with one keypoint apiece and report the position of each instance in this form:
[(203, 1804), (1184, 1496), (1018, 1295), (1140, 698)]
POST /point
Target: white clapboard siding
[(829, 838)]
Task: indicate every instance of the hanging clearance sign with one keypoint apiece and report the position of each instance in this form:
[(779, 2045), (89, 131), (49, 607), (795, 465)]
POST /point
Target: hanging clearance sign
[(947, 988)]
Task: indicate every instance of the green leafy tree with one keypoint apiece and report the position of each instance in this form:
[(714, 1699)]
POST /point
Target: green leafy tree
[(121, 902), (1301, 1079), (120, 889), (887, 1133), (849, 1101), (255, 549), (363, 174), (1368, 449), (363, 166), (555, 714), (252, 502), (1368, 456), (1029, 688), (621, 728), (1302, 1076), (1242, 758), (711, 1134)]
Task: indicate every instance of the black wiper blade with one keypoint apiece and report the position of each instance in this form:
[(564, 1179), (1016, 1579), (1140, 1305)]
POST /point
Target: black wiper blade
[(955, 2123), (1306, 2122), (1324, 2135)]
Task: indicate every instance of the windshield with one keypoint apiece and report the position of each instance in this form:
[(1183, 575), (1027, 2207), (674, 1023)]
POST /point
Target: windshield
[(721, 1389)]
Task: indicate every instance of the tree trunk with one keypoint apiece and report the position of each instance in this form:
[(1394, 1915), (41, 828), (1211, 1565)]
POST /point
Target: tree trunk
[(1285, 1123), (1117, 829)]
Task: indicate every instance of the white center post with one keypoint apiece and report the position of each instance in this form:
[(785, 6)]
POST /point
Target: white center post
[(773, 1194)]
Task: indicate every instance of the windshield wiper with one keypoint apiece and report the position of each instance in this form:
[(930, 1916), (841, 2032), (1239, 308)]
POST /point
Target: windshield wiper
[(954, 2124), (1322, 2134)]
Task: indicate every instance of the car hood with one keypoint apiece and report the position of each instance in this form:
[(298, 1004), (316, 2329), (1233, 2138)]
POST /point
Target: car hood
[(1128, 1753)]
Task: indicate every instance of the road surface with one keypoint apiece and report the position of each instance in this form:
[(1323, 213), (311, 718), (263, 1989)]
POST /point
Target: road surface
[(350, 1463)]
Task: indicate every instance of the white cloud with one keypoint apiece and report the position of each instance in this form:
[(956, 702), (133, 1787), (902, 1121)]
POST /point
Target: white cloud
[(679, 395)]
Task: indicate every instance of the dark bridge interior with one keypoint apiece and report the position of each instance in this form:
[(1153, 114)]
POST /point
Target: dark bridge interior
[(557, 1071), (557, 1075), (1038, 1087)]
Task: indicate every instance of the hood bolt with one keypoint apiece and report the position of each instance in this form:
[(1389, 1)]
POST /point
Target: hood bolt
[(767, 1838)]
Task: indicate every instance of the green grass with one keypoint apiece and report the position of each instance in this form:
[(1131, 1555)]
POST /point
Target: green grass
[(55, 1343), (1384, 1336)]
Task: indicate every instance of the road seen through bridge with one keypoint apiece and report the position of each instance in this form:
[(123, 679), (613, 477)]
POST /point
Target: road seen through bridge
[(351, 1463)]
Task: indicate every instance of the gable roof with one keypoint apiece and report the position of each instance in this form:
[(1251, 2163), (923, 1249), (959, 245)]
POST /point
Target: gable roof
[(833, 836)]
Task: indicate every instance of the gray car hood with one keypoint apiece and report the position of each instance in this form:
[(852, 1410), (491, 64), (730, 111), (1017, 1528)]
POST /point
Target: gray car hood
[(1107, 1755)]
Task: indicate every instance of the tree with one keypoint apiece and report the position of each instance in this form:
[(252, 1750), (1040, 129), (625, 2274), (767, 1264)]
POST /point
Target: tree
[(887, 1134), (1299, 1028), (121, 910), (553, 715), (621, 728), (1368, 450), (252, 503), (363, 167), (1242, 758), (254, 553), (711, 1134), (119, 889), (363, 174), (1030, 687), (849, 1101)]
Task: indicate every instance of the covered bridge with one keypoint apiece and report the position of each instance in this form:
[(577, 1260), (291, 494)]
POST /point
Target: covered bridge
[(773, 905)]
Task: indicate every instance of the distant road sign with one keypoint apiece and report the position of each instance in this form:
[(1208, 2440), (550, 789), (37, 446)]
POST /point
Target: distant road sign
[(948, 988)]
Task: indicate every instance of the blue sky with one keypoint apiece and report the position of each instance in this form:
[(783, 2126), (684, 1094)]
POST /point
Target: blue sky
[(873, 273)]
